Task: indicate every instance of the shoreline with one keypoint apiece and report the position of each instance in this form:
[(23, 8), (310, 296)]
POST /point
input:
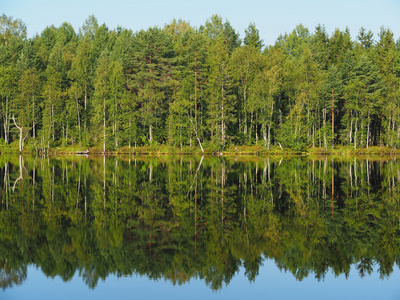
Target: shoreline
[(232, 151)]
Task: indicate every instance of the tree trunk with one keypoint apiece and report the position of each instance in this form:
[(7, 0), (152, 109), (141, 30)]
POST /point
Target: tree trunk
[(6, 123), (85, 114), (333, 121), (66, 130), (151, 134), (104, 125), (222, 117), (251, 125), (115, 124), (270, 124), (79, 119), (195, 89), (325, 142), (264, 132), (33, 122), (255, 128), (313, 136), (20, 133), (351, 129), (52, 118), (355, 135), (368, 135)]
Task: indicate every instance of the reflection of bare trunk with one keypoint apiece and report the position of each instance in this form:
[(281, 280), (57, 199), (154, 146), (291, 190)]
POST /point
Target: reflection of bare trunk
[(79, 187), (333, 185), (222, 191), (351, 179), (104, 181), (270, 183), (34, 182), (355, 172), (85, 112), (347, 189), (195, 219), (21, 161), (150, 172), (84, 182), (52, 186), (264, 178), (198, 139), (6, 183), (324, 183), (195, 176)]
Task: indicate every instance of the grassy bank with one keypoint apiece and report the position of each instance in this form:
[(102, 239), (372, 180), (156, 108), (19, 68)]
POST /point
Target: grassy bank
[(255, 150)]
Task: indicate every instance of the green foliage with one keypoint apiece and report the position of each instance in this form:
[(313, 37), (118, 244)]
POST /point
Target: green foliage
[(184, 86)]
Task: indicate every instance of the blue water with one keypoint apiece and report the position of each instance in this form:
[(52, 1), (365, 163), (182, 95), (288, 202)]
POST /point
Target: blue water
[(270, 284)]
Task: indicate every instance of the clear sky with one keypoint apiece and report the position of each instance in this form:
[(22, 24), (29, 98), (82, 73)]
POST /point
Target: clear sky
[(271, 17)]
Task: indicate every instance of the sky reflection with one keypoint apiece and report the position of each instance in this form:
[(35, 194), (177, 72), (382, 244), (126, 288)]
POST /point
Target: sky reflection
[(270, 284)]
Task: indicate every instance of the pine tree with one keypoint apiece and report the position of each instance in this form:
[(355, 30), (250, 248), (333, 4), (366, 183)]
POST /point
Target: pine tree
[(252, 37), (338, 45), (152, 81), (362, 93)]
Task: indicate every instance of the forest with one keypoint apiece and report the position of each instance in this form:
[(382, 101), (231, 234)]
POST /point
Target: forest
[(183, 86)]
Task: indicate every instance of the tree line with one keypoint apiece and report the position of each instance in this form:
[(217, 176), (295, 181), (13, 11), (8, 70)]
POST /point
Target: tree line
[(185, 86)]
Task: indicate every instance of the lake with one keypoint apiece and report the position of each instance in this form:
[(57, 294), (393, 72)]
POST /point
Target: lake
[(193, 227)]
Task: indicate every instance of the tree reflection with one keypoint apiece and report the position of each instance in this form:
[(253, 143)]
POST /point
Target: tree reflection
[(12, 276), (196, 217)]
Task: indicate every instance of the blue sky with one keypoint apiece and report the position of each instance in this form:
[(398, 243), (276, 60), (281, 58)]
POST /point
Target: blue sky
[(271, 17)]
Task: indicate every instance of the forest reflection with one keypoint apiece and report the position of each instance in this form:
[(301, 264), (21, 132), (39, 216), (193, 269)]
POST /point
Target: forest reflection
[(194, 217)]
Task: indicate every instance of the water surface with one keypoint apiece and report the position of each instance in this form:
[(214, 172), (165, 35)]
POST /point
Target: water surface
[(199, 227)]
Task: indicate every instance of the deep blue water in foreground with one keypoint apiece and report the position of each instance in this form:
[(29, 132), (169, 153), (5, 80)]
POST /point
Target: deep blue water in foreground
[(270, 284)]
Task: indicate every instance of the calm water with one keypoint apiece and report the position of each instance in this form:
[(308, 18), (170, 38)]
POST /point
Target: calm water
[(195, 228)]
